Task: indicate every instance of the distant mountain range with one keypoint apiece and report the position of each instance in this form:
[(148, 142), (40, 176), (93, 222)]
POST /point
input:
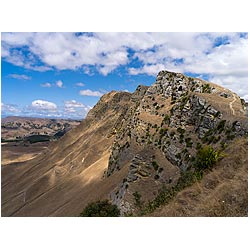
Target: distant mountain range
[(176, 148), (15, 128)]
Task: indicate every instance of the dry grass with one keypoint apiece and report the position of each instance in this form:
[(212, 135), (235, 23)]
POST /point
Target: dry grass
[(64, 178), (221, 192), (14, 152)]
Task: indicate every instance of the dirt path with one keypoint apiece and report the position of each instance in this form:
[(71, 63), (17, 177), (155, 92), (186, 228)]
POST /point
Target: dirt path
[(231, 104)]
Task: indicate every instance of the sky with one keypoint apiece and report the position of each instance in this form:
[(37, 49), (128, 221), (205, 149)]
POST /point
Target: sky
[(63, 75)]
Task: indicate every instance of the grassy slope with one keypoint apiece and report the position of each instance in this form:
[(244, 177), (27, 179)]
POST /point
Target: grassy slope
[(221, 192)]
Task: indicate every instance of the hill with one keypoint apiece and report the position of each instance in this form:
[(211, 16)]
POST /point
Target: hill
[(23, 138), (140, 151), (17, 128)]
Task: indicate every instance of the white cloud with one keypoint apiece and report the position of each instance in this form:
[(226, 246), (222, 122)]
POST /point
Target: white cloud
[(9, 108), (43, 105), (80, 84), (17, 39), (73, 108), (46, 85), (213, 54), (59, 84), (41, 108), (21, 77), (105, 51), (88, 92), (147, 69), (237, 84), (73, 104)]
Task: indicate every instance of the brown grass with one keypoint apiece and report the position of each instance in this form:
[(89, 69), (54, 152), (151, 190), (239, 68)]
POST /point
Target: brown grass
[(221, 192)]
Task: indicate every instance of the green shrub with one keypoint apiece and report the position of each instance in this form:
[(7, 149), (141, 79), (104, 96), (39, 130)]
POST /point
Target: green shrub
[(155, 165), (180, 130), (137, 197), (160, 170), (172, 133), (181, 138), (163, 131), (186, 179), (206, 157), (157, 177), (221, 126), (100, 209), (206, 88), (189, 142), (198, 146), (166, 119)]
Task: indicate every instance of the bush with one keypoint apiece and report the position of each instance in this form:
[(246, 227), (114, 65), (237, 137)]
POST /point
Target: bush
[(137, 197), (180, 130), (221, 126), (155, 165), (206, 157), (206, 88), (189, 142), (100, 209), (157, 177), (166, 119)]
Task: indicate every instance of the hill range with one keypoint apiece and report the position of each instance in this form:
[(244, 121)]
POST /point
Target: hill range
[(144, 152)]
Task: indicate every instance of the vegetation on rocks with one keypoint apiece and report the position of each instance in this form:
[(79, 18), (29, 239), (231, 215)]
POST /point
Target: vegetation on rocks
[(100, 209), (206, 157)]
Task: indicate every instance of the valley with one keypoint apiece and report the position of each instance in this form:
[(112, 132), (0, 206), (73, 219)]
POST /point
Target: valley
[(22, 138)]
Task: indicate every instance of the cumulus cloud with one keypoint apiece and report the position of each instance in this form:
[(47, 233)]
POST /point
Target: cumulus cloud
[(73, 108), (21, 77), (9, 109), (80, 84), (59, 84), (88, 92), (152, 69), (41, 108), (105, 51), (214, 54), (73, 104), (46, 85), (43, 105)]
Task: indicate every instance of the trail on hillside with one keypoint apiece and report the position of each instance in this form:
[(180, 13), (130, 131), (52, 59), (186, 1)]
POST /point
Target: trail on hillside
[(231, 104)]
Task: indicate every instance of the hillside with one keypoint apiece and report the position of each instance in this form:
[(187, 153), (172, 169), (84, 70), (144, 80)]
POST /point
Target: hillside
[(130, 147), (16, 128), (221, 192), (23, 138)]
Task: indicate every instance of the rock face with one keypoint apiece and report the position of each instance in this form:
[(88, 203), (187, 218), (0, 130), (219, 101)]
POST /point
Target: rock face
[(174, 116), (129, 146)]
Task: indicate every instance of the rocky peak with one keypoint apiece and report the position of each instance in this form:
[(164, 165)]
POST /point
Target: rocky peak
[(129, 147), (139, 92), (174, 117), (171, 84)]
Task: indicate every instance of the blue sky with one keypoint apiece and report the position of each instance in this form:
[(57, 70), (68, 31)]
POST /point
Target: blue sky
[(64, 74)]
